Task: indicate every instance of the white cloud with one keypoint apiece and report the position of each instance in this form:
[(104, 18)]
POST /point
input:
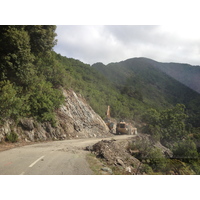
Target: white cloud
[(107, 44)]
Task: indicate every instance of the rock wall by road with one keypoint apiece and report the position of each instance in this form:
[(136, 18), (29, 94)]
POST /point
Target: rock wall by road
[(78, 119), (75, 119)]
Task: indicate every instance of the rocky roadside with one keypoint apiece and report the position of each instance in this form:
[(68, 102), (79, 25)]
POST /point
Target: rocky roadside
[(113, 157), (75, 119)]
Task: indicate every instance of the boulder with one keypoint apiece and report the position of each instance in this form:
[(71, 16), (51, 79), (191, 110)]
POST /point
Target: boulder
[(27, 124), (114, 153), (119, 161)]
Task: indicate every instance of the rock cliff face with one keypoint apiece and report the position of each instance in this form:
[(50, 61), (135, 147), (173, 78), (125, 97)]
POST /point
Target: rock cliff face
[(78, 119), (75, 119)]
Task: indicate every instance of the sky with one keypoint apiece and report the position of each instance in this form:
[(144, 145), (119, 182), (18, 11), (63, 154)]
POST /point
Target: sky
[(114, 43), (177, 39)]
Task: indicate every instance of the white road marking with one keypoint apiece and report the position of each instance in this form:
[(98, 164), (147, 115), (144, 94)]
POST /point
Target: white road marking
[(36, 161), (22, 173)]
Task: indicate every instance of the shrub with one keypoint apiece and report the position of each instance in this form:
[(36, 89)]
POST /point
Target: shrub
[(43, 100), (10, 104), (185, 150), (168, 126), (12, 137), (146, 169), (149, 155)]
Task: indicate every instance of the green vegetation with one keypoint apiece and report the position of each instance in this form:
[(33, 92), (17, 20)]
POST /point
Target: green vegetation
[(170, 128), (99, 91), (94, 163), (154, 162), (168, 110), (32, 75), (27, 87), (168, 125), (150, 156), (12, 137), (140, 80), (10, 102)]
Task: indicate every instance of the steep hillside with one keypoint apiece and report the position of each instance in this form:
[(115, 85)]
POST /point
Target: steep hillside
[(184, 73), (74, 119), (142, 79), (99, 91), (33, 105)]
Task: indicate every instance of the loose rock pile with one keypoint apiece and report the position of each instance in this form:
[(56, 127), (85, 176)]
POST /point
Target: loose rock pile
[(115, 154), (118, 154)]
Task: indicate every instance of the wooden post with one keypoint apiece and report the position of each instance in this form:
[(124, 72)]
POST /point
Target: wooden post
[(108, 112)]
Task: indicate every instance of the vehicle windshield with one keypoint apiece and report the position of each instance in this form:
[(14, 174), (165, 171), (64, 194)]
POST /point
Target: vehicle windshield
[(122, 126)]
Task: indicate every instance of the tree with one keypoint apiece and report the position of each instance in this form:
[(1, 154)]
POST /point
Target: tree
[(172, 123), (168, 124), (152, 118), (20, 46), (44, 99), (10, 103), (27, 71), (52, 70), (42, 38), (185, 150), (149, 154), (15, 55)]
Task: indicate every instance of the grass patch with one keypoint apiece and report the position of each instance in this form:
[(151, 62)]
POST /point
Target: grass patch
[(94, 163)]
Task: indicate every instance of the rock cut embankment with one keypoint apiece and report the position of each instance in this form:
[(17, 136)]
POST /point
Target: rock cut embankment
[(75, 119)]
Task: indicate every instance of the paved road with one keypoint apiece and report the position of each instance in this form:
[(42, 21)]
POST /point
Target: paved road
[(65, 157)]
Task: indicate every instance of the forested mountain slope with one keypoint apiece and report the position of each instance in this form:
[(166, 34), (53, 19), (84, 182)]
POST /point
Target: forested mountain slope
[(171, 117), (184, 73), (99, 91), (37, 101), (32, 75), (140, 79)]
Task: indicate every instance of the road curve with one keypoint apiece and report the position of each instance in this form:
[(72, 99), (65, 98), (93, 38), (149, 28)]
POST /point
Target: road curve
[(66, 157)]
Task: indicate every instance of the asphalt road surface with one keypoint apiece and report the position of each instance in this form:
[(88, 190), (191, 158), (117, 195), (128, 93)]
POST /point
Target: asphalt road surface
[(66, 157)]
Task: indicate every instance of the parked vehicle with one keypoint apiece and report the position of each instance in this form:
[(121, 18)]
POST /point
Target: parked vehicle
[(119, 128)]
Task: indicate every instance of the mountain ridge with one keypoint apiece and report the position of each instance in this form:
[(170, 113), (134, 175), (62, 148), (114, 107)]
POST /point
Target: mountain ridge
[(183, 72), (141, 79)]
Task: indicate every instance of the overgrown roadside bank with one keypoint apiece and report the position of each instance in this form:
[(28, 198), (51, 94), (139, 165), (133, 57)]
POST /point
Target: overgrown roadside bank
[(138, 155)]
